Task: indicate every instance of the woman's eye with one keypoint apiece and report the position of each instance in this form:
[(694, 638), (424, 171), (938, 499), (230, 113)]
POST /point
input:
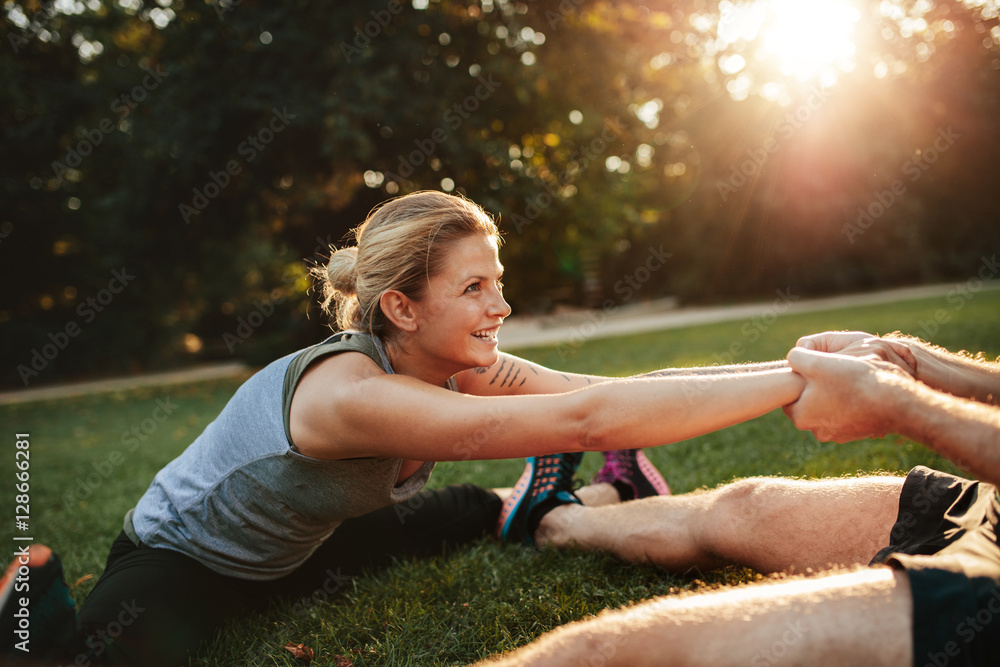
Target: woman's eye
[(474, 287)]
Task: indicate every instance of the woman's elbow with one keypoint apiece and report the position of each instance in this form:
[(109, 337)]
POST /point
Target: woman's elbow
[(590, 429)]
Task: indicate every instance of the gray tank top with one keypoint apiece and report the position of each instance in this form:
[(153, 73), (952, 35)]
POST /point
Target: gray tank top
[(242, 501)]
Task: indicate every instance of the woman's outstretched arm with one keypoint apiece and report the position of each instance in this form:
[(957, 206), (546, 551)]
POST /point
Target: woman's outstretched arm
[(360, 411), (512, 375)]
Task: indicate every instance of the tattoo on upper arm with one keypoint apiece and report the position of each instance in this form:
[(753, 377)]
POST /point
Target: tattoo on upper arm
[(503, 362), (513, 373), (525, 379), (514, 369), (509, 371)]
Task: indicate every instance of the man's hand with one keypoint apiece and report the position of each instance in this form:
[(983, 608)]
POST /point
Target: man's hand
[(846, 397), (863, 345), (832, 341), (951, 408)]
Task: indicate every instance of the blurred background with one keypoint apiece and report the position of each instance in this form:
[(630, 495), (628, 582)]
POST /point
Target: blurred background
[(170, 169)]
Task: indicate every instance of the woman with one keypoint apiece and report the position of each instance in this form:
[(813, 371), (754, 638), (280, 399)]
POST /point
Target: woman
[(263, 502)]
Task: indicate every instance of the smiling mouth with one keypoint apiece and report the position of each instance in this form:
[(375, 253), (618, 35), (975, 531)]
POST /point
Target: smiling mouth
[(488, 335)]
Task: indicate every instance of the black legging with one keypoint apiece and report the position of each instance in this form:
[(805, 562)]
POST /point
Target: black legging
[(156, 606)]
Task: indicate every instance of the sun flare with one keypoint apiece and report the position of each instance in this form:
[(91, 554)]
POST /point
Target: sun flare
[(806, 40), (808, 37)]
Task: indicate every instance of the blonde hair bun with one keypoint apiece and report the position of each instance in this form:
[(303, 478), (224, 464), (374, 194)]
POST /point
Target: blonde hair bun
[(342, 271)]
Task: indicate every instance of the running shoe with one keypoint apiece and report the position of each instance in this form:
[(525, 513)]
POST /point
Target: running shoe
[(632, 474), (546, 483)]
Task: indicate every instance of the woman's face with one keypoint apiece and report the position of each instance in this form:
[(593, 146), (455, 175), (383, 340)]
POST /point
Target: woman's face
[(463, 308)]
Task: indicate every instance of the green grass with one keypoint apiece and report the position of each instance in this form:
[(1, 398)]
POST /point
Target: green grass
[(86, 472)]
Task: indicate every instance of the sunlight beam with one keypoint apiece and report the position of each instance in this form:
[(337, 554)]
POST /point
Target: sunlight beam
[(807, 41)]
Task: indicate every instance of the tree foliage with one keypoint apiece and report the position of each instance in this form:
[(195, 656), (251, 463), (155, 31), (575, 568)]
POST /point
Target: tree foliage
[(208, 149)]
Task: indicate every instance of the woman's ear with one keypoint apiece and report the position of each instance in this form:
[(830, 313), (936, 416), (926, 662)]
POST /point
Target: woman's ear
[(400, 310)]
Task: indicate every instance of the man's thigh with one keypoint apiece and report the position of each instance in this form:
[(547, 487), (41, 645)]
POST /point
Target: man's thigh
[(781, 525), (856, 618), (768, 523)]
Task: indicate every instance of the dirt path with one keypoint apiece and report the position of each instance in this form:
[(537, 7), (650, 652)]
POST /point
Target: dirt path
[(520, 332)]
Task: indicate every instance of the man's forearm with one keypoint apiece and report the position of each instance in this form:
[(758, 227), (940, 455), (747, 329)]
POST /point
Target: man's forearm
[(956, 374), (964, 431), (729, 369)]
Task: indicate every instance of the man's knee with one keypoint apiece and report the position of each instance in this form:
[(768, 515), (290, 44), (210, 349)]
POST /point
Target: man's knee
[(748, 496), (736, 512)]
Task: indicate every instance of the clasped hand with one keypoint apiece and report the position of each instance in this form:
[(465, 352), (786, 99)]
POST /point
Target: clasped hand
[(852, 384)]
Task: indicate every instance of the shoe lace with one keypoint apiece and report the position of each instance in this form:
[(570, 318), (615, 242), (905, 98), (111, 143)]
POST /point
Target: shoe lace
[(623, 461), (555, 472)]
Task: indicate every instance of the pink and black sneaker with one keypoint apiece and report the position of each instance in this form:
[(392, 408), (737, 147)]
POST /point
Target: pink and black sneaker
[(629, 471)]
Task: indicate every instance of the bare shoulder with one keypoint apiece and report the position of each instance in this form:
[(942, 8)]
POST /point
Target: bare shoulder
[(333, 375), (324, 390), (347, 407)]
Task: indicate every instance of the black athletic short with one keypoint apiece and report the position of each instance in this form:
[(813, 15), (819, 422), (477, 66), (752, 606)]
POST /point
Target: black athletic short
[(945, 537)]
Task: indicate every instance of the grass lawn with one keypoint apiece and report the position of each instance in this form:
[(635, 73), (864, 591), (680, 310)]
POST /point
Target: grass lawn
[(92, 457)]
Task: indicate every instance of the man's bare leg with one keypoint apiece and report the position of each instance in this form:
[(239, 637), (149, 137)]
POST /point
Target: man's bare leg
[(769, 524), (860, 618), (598, 495)]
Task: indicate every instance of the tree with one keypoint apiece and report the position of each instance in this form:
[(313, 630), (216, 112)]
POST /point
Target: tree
[(207, 149)]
